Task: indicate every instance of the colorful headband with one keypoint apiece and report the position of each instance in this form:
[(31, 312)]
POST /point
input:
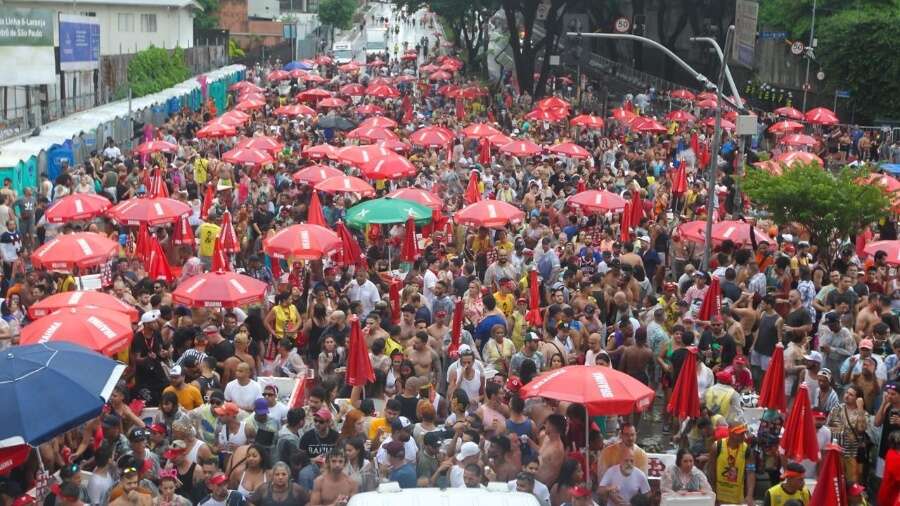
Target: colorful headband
[(792, 474), (168, 473)]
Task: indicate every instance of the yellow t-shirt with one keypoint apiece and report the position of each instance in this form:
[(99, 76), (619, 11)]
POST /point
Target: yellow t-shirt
[(200, 170), (506, 303), (379, 423), (188, 396), (207, 233)]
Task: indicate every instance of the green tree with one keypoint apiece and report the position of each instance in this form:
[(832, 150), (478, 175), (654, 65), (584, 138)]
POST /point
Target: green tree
[(155, 69), (520, 18), (207, 17), (337, 13), (467, 21), (873, 78), (832, 207)]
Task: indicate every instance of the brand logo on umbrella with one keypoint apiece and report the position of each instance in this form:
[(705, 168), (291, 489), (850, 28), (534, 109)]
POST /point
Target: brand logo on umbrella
[(237, 286), (101, 326), (602, 385), (304, 239), (85, 247), (45, 337), (75, 298)]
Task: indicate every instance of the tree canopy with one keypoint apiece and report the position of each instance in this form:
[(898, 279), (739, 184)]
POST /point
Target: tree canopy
[(466, 19), (337, 13), (207, 18), (832, 207)]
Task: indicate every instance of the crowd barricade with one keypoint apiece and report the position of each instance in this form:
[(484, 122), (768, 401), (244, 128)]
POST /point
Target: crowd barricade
[(676, 499)]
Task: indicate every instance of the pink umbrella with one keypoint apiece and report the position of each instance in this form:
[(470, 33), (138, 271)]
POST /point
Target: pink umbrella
[(261, 143), (304, 241), (785, 126), (569, 149), (521, 148), (790, 113), (358, 155), (587, 121), (489, 213), (439, 75), (152, 211), (597, 201), (321, 151), (821, 116), (157, 147), (424, 197), (331, 102), (798, 140), (371, 134), (315, 173), (78, 206), (792, 157), (247, 156), (389, 167), (550, 115), (478, 130), (368, 109), (345, 184), (382, 91), (378, 122), (680, 116), (682, 94), (353, 90), (431, 137)]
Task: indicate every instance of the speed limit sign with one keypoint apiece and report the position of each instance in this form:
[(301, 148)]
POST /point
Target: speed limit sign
[(797, 48), (622, 25)]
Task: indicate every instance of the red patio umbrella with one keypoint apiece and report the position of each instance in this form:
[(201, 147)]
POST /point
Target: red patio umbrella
[(737, 231), (821, 116), (831, 486), (331, 102), (249, 105), (358, 155), (478, 130), (158, 187), (622, 115), (473, 194), (353, 90), (382, 91), (771, 393), (430, 137), (792, 157), (389, 167), (892, 248), (706, 95), (142, 242), (313, 95), (625, 224), (569, 149), (550, 115), (293, 110), (261, 143), (489, 213), (603, 391), (394, 145), (314, 215), (158, 267), (323, 60), (102, 330), (321, 151), (682, 94), (798, 140), (12, 457), (349, 67), (230, 241), (359, 366), (182, 232), (456, 328), (440, 75), (533, 316), (156, 147), (409, 251), (723, 123), (75, 207), (214, 130), (303, 241), (679, 180), (371, 134), (799, 439), (367, 109), (786, 126), (378, 122), (551, 103), (219, 290), (680, 116), (377, 62), (315, 173), (685, 400), (345, 184), (521, 148), (350, 253), (152, 211), (790, 113), (597, 201), (81, 249), (424, 197), (500, 140), (277, 75), (80, 299), (587, 121), (712, 301), (708, 103), (647, 125), (313, 78), (637, 208)]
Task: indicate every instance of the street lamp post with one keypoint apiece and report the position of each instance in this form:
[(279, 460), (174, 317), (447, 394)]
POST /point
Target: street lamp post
[(809, 54)]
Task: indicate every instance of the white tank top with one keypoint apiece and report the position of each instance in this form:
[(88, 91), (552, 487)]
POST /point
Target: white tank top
[(192, 453), (238, 438), (472, 386)]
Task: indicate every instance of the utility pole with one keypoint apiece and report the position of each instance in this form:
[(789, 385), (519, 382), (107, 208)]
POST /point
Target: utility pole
[(809, 53), (714, 157)]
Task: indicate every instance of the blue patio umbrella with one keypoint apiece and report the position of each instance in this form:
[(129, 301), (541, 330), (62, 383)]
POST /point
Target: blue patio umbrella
[(295, 65), (47, 389), (893, 168)]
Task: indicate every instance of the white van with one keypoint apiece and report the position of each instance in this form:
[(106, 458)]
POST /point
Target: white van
[(495, 494)]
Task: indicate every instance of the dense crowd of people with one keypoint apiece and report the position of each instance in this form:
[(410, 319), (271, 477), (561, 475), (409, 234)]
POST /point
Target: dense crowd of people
[(196, 419)]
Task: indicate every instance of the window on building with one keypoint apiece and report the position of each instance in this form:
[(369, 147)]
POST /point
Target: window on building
[(89, 14), (312, 6), (126, 23), (148, 23)]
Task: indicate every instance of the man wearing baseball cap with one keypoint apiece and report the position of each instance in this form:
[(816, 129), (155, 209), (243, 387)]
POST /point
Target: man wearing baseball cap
[(723, 399), (531, 340), (854, 364), (189, 396), (740, 374), (321, 438), (468, 453), (734, 465), (219, 493)]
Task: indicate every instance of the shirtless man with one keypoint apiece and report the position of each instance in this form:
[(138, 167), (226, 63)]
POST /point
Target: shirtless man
[(868, 317), (425, 361), (636, 358), (743, 311), (439, 329), (407, 324), (333, 487), (733, 327), (373, 324), (552, 453)]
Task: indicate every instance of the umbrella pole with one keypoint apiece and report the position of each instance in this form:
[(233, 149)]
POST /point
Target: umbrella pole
[(587, 447)]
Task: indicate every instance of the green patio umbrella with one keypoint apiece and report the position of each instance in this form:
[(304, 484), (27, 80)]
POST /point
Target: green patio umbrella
[(387, 210)]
